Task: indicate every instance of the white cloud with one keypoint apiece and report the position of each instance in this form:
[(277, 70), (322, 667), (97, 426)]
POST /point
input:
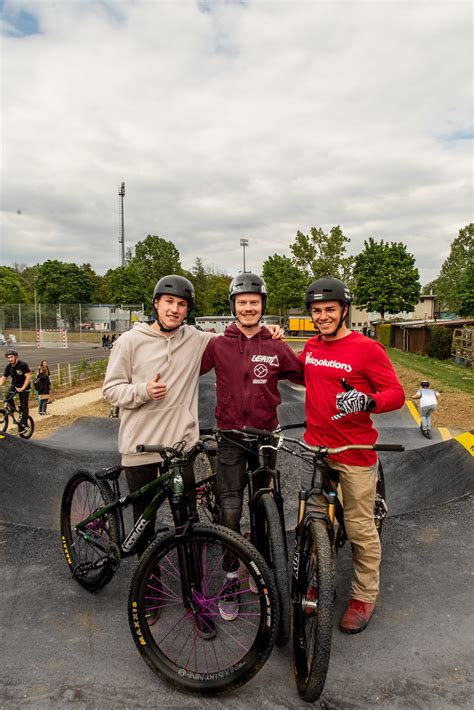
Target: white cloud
[(230, 120)]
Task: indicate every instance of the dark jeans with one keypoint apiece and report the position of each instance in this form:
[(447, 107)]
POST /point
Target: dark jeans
[(23, 405), (138, 476), (235, 457)]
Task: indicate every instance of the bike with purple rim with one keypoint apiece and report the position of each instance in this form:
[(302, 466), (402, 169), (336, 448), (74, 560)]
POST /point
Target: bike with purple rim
[(173, 605)]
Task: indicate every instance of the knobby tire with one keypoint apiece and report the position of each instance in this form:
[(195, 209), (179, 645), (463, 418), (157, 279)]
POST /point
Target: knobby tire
[(82, 496), (312, 632), (173, 647), (272, 546)]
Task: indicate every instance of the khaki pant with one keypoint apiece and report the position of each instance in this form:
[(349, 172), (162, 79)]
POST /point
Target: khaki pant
[(357, 486)]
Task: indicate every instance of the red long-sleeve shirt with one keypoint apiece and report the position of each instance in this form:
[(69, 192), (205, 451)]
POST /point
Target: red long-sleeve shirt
[(365, 365)]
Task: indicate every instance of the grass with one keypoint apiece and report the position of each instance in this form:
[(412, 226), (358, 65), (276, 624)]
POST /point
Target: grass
[(445, 372)]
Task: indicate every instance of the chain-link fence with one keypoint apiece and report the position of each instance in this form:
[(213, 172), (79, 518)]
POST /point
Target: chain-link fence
[(21, 322)]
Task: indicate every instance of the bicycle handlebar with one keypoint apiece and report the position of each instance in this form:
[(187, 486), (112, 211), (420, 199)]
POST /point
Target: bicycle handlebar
[(152, 448)]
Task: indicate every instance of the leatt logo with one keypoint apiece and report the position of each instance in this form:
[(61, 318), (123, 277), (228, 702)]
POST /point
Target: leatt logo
[(310, 360), (268, 359)]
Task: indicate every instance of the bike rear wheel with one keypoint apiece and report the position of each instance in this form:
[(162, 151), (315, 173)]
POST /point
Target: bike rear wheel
[(190, 644), (3, 419), (269, 535), (205, 477), (94, 559), (27, 432), (313, 612)]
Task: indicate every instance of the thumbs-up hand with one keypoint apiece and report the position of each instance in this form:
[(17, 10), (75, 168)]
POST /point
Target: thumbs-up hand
[(155, 388)]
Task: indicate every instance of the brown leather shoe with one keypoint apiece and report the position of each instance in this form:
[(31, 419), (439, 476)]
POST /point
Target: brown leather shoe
[(356, 616)]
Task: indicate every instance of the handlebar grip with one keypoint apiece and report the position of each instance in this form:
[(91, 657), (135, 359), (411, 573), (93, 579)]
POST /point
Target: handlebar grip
[(257, 432), (206, 432), (389, 447), (154, 448)]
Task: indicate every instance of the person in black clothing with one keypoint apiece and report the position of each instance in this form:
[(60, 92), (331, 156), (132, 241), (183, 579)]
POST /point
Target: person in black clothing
[(20, 375), (43, 386)]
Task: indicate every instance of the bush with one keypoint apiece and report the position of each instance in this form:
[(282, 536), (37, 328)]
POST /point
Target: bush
[(386, 334), (441, 341)]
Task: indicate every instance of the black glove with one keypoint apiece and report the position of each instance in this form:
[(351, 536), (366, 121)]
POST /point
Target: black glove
[(352, 401)]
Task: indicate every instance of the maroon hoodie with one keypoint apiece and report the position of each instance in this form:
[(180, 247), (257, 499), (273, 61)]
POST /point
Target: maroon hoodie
[(247, 374)]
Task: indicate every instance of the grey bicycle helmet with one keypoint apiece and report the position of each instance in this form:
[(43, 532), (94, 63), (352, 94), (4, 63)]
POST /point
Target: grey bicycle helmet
[(11, 352), (328, 289), (247, 283), (424, 383), (175, 286)]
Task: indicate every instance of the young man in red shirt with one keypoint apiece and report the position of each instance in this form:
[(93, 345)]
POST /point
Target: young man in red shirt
[(335, 417), (248, 366)]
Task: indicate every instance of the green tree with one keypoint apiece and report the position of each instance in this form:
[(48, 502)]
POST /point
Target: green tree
[(319, 254), (385, 278), (466, 291), (156, 257), (450, 286), (13, 288), (60, 282), (286, 284), (217, 295), (126, 284), (199, 278)]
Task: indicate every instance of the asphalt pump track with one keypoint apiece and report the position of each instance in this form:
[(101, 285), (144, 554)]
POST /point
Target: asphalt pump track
[(61, 646)]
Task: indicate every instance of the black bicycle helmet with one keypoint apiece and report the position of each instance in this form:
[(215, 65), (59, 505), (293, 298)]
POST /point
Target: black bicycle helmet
[(175, 286), (11, 352), (328, 289), (247, 283), (424, 383)]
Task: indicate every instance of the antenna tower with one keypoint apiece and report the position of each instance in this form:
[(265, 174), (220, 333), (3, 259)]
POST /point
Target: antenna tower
[(122, 229)]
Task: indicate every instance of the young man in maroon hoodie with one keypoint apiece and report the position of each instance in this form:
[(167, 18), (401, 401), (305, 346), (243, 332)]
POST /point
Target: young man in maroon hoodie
[(335, 418), (248, 365)]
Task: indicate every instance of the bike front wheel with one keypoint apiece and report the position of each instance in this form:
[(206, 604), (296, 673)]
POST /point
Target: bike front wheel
[(272, 545), (313, 611), (380, 506), (189, 642), (92, 554)]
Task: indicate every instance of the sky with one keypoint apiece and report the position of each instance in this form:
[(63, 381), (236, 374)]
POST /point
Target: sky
[(232, 120)]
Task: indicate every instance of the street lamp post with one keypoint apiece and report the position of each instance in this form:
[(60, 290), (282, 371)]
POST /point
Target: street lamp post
[(244, 243)]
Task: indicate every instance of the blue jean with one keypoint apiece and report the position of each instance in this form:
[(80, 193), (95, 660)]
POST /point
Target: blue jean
[(425, 414)]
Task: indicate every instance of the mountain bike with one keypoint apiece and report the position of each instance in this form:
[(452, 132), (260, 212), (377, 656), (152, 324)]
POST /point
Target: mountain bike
[(318, 537), (10, 410), (175, 591), (267, 525)]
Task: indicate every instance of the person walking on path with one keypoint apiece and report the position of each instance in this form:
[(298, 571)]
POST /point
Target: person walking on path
[(336, 417), (248, 366), (428, 403), (20, 375), (42, 385)]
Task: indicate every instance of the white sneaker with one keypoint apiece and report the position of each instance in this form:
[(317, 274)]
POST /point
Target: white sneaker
[(228, 604)]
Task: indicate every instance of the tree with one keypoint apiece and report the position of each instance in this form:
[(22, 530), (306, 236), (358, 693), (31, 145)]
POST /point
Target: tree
[(217, 295), (466, 291), (126, 284), (286, 284), (318, 254), (450, 286), (13, 289), (199, 279), (60, 282), (385, 278), (156, 257)]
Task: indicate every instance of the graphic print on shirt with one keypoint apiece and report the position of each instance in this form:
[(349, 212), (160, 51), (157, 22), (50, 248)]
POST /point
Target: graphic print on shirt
[(268, 359), (260, 372), (311, 360)]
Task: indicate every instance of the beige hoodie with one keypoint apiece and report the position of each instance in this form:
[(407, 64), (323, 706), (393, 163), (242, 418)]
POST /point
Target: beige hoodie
[(137, 356)]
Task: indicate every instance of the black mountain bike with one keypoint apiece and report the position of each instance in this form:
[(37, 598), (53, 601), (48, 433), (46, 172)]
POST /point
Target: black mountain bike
[(267, 525), (175, 591), (9, 410), (318, 537)]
